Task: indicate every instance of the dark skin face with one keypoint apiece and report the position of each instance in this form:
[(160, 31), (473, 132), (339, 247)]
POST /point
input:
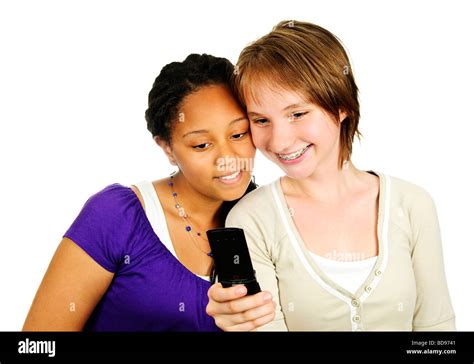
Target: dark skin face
[(210, 140)]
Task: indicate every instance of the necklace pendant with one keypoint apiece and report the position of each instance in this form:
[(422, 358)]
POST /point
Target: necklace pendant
[(181, 212)]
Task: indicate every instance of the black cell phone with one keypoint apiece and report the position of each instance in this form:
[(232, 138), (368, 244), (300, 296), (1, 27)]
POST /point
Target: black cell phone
[(232, 259)]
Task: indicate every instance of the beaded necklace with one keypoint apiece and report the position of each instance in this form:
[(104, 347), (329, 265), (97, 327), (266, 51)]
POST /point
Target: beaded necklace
[(182, 213)]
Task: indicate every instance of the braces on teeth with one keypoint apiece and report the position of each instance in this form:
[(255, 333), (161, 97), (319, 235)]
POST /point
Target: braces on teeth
[(294, 155)]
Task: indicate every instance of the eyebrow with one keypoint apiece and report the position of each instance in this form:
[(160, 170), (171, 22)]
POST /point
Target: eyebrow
[(292, 106), (204, 131)]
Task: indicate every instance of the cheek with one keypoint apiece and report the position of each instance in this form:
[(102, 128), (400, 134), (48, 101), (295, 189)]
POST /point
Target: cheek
[(259, 137), (330, 132), (194, 164), (319, 131), (247, 148), (310, 130)]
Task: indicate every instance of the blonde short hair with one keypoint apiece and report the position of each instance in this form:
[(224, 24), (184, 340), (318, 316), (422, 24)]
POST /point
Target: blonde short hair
[(307, 59)]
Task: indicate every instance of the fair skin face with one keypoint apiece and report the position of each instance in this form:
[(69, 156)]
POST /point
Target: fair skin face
[(74, 283), (335, 210)]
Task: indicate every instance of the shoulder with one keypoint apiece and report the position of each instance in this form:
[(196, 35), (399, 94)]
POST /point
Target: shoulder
[(409, 194), (139, 195), (114, 198), (108, 225), (115, 208), (253, 200), (257, 207), (411, 206), (261, 194), (115, 192)]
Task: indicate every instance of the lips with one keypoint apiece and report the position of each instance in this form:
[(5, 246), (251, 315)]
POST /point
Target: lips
[(230, 176), (293, 155), (232, 179)]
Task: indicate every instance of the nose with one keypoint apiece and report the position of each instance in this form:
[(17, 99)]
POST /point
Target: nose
[(226, 150), (282, 137), (226, 157)]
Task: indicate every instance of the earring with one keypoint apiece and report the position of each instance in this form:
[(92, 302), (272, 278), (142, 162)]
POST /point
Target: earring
[(345, 165)]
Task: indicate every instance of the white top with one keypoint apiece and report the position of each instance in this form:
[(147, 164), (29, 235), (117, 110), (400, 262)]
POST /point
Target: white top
[(156, 215), (350, 275)]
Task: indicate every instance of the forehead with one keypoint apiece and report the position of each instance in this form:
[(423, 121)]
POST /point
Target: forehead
[(262, 97), (210, 108), (209, 102)]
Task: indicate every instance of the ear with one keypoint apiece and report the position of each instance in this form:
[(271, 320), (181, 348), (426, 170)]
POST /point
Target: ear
[(342, 116), (166, 148)]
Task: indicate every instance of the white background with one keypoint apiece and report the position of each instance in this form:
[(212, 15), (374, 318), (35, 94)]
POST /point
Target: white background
[(74, 79)]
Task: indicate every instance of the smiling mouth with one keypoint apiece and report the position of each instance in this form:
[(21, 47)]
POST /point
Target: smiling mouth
[(293, 155), (230, 176)]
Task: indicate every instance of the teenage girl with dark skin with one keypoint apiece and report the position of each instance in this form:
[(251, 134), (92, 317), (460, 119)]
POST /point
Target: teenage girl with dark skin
[(112, 270)]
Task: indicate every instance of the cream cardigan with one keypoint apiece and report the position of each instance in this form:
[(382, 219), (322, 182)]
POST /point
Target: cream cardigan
[(406, 289)]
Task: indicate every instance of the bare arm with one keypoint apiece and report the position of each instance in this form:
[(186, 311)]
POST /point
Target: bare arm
[(71, 288)]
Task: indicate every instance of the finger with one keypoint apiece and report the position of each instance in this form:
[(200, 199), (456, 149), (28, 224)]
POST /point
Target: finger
[(253, 325), (239, 305), (247, 303), (228, 320), (253, 314), (220, 294)]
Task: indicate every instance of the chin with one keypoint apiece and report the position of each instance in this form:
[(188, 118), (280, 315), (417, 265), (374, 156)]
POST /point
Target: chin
[(232, 193), (299, 174), (300, 171)]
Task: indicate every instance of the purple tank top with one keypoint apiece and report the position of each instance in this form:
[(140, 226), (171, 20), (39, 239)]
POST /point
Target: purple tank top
[(151, 290)]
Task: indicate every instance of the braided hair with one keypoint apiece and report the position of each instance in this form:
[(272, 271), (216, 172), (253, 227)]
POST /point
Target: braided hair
[(178, 80)]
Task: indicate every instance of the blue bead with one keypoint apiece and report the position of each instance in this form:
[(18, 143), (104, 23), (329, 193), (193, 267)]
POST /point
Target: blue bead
[(175, 194), (170, 184), (188, 228)]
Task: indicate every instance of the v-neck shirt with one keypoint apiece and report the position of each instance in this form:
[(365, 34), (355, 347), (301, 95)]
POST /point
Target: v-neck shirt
[(151, 290), (156, 216), (347, 274), (406, 288)]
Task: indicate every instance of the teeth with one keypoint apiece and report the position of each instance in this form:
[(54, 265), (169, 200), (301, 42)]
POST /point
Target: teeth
[(294, 155), (231, 176)]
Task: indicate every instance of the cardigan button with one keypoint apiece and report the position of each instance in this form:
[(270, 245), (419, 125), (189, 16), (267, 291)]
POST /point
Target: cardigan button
[(355, 303), (368, 289), (378, 272), (356, 318)]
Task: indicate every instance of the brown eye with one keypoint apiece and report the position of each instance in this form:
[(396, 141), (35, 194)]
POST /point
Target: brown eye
[(298, 115), (201, 146), (238, 136)]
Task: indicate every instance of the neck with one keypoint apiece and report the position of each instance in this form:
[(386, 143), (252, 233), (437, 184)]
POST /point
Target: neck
[(326, 184), (198, 206)]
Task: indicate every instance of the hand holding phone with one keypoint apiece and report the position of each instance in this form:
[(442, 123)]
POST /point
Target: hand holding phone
[(232, 259)]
